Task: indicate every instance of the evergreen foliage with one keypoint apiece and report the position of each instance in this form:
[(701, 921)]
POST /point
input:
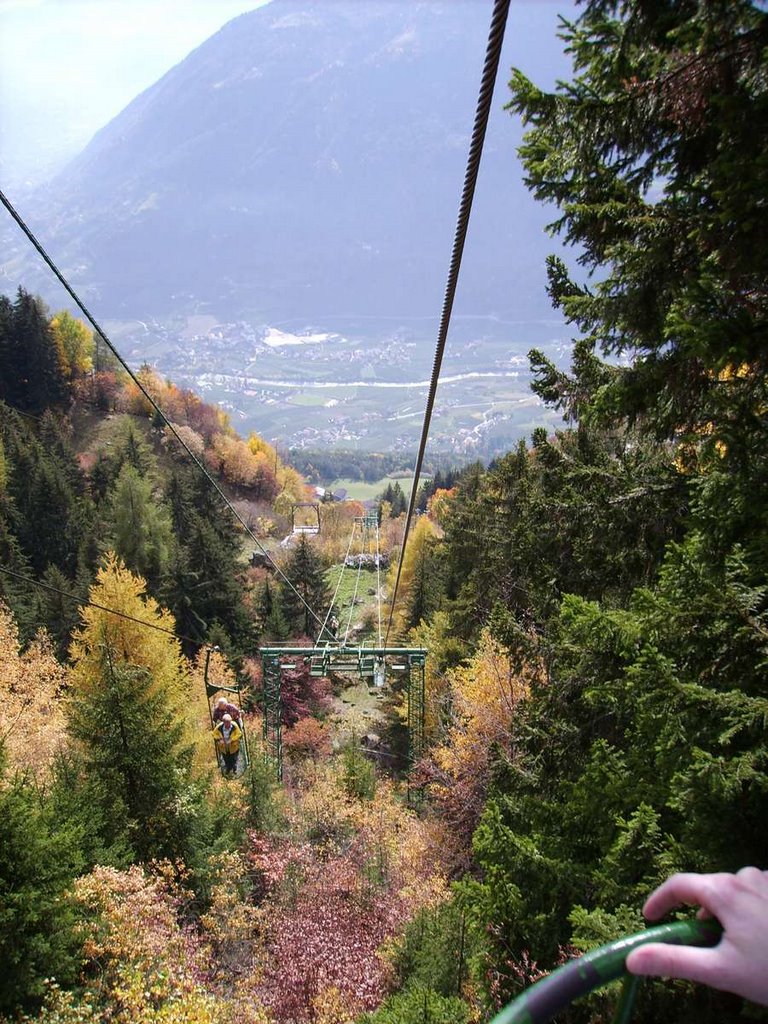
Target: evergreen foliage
[(133, 744), (202, 584), (141, 533), (417, 1005), (598, 599), (626, 551), (435, 951), (40, 855), (395, 499), (305, 569), (31, 377), (269, 608), (359, 775)]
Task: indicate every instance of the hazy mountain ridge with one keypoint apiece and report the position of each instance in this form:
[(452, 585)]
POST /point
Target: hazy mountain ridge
[(305, 160), (302, 169)]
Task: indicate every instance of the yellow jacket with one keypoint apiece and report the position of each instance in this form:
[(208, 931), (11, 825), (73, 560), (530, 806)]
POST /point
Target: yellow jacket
[(233, 745)]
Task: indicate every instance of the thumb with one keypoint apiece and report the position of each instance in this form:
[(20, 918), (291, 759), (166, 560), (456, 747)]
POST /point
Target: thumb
[(665, 961)]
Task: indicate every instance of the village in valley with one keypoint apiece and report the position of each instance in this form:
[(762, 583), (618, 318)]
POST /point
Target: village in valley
[(353, 387)]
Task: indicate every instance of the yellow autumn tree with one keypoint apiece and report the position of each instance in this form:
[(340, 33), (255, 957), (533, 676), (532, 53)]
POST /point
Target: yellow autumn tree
[(74, 345), (445, 650), (439, 504), (413, 576), (291, 487), (141, 965), (32, 724), (483, 696), (131, 715), (261, 447), (148, 643)]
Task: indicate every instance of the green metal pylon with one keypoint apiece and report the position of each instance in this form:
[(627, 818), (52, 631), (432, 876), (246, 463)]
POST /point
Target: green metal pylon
[(359, 660)]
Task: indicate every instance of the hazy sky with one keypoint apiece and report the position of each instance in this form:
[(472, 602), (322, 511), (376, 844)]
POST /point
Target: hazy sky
[(68, 66)]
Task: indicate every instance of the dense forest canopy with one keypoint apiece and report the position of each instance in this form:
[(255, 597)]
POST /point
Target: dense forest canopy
[(593, 604)]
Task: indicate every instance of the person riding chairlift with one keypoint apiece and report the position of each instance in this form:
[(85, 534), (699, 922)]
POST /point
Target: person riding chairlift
[(227, 735), (223, 707)]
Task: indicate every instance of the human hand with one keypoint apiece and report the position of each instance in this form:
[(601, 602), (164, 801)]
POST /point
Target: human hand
[(739, 963)]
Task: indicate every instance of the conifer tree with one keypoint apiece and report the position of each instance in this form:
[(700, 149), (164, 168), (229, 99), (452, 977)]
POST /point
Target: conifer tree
[(32, 379), (55, 610), (130, 698), (132, 741), (204, 580), (53, 514), (641, 751), (309, 593), (270, 611), (39, 859), (140, 532)]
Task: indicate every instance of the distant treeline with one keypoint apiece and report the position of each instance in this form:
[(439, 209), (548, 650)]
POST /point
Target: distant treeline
[(323, 467)]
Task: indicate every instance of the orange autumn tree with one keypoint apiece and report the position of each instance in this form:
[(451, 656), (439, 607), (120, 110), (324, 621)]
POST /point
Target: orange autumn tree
[(291, 488)]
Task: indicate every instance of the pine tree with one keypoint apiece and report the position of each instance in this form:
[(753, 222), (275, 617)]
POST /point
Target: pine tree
[(270, 612), (39, 859), (133, 743), (56, 611), (423, 578), (203, 583), (54, 518), (308, 597), (642, 751), (131, 711), (34, 375), (9, 381), (655, 156)]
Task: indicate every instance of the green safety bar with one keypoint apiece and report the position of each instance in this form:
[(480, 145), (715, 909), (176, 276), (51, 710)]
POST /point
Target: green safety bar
[(547, 997)]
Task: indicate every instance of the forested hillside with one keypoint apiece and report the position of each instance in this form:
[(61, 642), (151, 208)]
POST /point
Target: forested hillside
[(593, 605)]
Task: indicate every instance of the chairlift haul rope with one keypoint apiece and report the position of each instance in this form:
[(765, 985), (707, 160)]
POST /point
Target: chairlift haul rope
[(490, 68)]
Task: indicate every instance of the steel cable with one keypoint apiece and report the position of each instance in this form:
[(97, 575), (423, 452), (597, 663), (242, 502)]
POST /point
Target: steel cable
[(487, 83)]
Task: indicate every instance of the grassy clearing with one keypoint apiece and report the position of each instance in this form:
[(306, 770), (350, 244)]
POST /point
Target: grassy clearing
[(359, 490), (364, 611)]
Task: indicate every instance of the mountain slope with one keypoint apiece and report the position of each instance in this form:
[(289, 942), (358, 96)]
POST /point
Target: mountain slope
[(305, 161)]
